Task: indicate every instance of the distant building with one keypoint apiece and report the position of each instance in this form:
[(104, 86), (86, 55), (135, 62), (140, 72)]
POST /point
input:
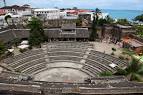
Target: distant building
[(68, 32), (120, 31), (18, 10), (116, 32), (101, 15), (47, 13), (2, 12), (134, 44), (85, 19)]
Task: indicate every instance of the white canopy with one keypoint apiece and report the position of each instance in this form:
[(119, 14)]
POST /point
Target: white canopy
[(25, 42), (112, 65), (10, 50), (23, 46)]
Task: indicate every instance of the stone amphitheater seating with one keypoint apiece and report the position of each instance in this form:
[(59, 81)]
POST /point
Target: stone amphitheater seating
[(29, 64), (25, 60), (23, 55), (68, 58), (77, 45), (95, 71), (104, 62), (109, 58), (35, 69), (92, 62), (99, 65), (67, 53), (66, 49)]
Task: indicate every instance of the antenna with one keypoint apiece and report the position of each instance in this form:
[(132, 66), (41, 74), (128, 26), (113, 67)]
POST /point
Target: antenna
[(4, 2)]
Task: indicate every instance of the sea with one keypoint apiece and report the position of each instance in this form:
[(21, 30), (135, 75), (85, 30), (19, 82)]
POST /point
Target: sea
[(121, 14)]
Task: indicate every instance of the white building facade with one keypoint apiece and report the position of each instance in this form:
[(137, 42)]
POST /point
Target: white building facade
[(101, 15), (47, 13), (18, 10)]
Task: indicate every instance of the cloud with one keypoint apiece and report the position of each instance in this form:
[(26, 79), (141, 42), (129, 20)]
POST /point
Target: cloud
[(110, 4)]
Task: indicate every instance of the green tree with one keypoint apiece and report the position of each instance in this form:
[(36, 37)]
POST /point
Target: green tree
[(134, 71), (75, 8), (101, 22), (97, 13), (139, 30), (79, 22), (109, 19), (2, 48), (15, 41), (123, 22), (105, 73), (36, 32), (6, 18), (93, 34), (139, 18)]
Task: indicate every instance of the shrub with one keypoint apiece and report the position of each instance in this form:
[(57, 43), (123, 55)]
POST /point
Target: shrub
[(18, 71), (22, 50), (121, 57), (113, 49), (105, 73), (112, 53)]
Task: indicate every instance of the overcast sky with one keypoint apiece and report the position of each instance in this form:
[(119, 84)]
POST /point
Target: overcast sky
[(89, 4)]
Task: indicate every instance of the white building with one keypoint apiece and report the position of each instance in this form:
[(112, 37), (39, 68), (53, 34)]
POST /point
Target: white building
[(47, 13), (18, 10), (102, 15)]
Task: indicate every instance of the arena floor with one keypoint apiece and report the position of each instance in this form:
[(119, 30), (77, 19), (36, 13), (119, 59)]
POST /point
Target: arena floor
[(62, 72), (61, 75)]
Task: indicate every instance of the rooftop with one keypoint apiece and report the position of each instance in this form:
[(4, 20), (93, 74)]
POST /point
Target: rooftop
[(14, 7), (50, 9), (123, 26)]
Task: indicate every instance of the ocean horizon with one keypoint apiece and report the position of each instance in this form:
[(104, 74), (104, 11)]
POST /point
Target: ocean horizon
[(122, 14)]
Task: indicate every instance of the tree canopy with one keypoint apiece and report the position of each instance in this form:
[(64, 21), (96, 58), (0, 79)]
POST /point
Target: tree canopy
[(6, 18), (109, 19), (134, 71), (139, 18), (139, 30), (123, 22), (93, 34), (36, 32), (105, 73), (2, 48)]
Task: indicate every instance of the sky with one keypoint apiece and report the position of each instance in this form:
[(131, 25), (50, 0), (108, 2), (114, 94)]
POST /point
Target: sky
[(87, 4)]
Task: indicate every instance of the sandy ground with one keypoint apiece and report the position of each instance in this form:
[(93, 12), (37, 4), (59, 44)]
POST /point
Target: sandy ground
[(61, 75), (106, 48)]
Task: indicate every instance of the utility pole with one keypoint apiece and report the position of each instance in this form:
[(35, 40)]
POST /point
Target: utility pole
[(4, 2)]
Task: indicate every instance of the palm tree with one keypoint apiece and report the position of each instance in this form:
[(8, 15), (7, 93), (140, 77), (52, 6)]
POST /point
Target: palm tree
[(134, 71), (97, 13), (109, 19), (36, 32), (6, 18), (93, 34)]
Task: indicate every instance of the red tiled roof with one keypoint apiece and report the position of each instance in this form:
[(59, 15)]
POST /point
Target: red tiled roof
[(2, 11)]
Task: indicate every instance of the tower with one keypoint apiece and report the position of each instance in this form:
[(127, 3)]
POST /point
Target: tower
[(4, 2)]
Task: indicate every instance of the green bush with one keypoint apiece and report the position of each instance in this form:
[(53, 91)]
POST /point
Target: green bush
[(112, 53), (121, 57), (22, 50), (113, 49), (105, 73)]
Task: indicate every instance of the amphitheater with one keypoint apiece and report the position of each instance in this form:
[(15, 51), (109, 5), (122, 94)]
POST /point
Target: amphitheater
[(61, 68)]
